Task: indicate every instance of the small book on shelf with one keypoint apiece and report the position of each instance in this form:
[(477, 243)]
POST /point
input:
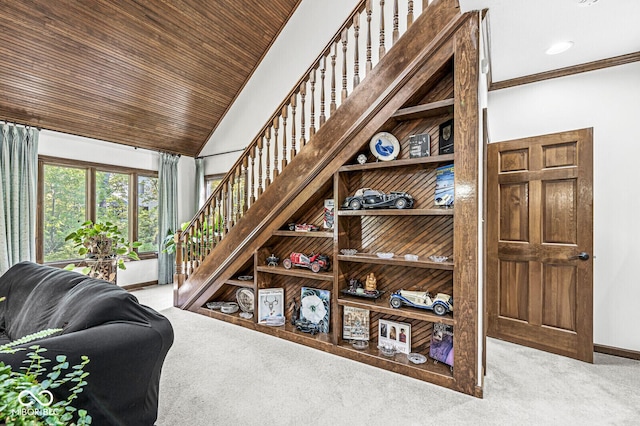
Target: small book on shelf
[(419, 145), (444, 192), (442, 343), (445, 134), (270, 305)]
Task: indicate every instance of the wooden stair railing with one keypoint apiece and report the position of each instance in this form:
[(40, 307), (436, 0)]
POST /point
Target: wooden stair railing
[(289, 129)]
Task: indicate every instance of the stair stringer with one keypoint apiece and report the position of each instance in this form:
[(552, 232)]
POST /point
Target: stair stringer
[(408, 66)]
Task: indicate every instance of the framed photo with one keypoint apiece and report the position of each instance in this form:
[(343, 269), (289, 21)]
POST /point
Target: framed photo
[(329, 212), (442, 343), (396, 334), (314, 307), (445, 145), (355, 323), (419, 145), (270, 305)]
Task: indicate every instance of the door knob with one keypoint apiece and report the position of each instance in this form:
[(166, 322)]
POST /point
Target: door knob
[(582, 256)]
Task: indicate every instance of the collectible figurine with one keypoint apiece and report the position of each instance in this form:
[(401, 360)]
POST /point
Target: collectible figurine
[(370, 284)]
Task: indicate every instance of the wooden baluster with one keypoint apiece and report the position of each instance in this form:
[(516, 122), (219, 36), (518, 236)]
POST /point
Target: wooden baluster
[(276, 122), (381, 50), (230, 203), (253, 175), (312, 108), (343, 95), (356, 55), (260, 166), (425, 4), (203, 238), (410, 14), (245, 195), (190, 252), (294, 98), (218, 220), (238, 195), (396, 31), (267, 136), (334, 55), (224, 209), (369, 64), (303, 93), (285, 111), (323, 118), (179, 265)]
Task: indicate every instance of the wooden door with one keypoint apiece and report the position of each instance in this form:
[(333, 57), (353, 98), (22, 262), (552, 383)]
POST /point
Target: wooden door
[(539, 242)]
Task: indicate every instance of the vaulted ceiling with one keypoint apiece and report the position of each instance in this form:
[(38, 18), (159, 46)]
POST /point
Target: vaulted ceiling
[(156, 74)]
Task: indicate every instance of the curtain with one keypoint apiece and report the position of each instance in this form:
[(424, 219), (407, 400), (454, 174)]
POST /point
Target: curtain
[(200, 189), (167, 212), (18, 194)]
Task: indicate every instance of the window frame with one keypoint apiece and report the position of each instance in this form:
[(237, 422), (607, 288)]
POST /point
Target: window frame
[(90, 198)]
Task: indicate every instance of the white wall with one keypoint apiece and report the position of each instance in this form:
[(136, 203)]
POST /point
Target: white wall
[(62, 145), (609, 101)]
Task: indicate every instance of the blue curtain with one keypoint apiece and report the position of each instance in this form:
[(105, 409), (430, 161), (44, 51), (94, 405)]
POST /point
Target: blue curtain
[(200, 189), (167, 212), (18, 196)]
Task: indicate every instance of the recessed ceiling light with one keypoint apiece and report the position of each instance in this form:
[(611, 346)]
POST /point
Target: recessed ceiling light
[(559, 47), (585, 3)]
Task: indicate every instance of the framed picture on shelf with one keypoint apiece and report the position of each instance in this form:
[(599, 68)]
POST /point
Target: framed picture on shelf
[(442, 344), (270, 305), (419, 145), (396, 334), (314, 307), (355, 323), (445, 133)]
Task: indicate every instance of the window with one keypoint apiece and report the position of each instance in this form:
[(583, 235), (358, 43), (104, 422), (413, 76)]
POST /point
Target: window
[(211, 182), (72, 192)]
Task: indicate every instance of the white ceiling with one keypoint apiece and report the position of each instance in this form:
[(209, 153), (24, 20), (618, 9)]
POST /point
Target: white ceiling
[(521, 31)]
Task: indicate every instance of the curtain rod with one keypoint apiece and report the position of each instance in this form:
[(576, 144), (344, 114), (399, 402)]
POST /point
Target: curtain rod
[(221, 153), (15, 123)]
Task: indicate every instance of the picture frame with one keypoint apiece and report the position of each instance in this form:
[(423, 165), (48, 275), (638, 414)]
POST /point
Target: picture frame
[(419, 145), (355, 323), (395, 334), (445, 135), (315, 307), (270, 305)]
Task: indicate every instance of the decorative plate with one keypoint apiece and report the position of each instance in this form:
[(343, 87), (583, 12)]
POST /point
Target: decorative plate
[(229, 307), (245, 299), (245, 277), (384, 146), (360, 344), (417, 358), (214, 305)]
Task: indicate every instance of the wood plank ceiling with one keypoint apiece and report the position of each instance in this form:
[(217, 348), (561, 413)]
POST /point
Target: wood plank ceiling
[(156, 74)]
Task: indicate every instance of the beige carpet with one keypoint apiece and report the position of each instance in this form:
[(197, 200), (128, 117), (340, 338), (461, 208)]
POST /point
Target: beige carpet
[(220, 374)]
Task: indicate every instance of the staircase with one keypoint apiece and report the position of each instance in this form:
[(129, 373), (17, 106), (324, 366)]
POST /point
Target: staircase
[(290, 160)]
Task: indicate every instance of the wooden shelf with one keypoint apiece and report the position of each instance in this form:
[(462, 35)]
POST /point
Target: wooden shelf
[(290, 332), (436, 159), (240, 283), (432, 109), (381, 305), (310, 234), (297, 272), (234, 318), (397, 212), (399, 360), (397, 261)]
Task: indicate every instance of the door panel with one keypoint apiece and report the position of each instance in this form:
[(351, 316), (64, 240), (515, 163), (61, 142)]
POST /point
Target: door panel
[(540, 216)]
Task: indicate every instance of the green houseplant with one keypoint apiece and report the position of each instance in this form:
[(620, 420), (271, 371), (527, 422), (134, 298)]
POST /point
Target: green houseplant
[(104, 247)]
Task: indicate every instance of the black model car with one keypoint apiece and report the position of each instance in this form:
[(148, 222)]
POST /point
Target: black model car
[(374, 199)]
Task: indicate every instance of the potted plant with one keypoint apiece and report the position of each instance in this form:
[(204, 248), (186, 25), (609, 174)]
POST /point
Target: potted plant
[(104, 247)]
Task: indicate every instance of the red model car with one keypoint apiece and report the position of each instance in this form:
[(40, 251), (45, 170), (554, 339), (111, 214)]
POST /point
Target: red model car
[(315, 262), (303, 227)]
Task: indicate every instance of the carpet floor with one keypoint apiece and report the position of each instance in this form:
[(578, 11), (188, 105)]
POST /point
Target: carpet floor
[(220, 374)]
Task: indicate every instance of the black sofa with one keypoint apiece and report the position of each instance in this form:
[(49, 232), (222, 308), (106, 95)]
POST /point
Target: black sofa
[(126, 342)]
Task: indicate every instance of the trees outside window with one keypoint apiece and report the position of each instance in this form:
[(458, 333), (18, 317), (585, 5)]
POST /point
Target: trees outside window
[(71, 192)]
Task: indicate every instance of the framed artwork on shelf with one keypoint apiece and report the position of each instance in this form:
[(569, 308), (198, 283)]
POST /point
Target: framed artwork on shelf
[(314, 307), (442, 344), (395, 334), (355, 323), (445, 133), (270, 305), (419, 145)]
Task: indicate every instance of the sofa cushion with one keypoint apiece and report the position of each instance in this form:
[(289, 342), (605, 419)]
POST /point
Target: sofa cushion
[(41, 297)]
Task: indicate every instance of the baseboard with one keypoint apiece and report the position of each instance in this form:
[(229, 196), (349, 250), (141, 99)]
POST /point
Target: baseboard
[(624, 353), (132, 287)]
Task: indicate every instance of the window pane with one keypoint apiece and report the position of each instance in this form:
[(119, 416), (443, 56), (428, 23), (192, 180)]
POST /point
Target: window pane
[(148, 214), (211, 185), (64, 210), (112, 199)]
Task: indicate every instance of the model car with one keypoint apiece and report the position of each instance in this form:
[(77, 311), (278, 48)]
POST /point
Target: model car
[(303, 227), (374, 199), (315, 262), (307, 327), (440, 305)]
